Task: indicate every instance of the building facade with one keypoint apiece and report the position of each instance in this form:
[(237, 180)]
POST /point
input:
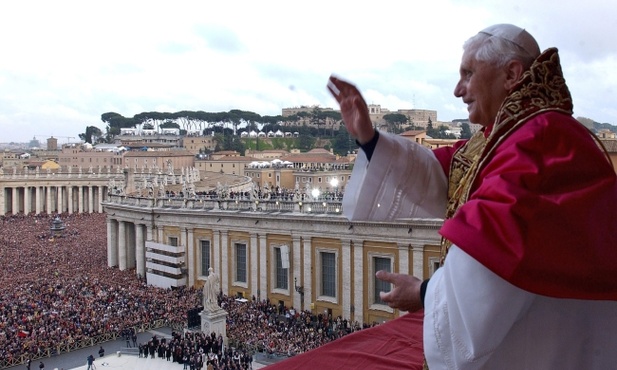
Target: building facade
[(315, 259)]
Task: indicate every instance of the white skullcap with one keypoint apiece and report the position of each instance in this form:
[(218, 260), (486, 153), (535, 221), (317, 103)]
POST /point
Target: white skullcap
[(516, 35)]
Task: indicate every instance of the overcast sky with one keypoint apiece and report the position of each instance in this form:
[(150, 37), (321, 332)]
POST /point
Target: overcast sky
[(64, 63)]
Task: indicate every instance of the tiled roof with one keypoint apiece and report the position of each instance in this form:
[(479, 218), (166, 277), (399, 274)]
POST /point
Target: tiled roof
[(610, 145)]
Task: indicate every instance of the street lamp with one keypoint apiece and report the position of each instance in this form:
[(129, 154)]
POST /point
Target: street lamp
[(334, 183)]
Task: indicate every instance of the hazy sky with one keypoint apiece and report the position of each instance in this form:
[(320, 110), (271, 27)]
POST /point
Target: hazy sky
[(64, 63)]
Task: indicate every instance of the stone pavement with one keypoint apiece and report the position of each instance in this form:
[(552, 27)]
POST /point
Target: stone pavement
[(76, 360)]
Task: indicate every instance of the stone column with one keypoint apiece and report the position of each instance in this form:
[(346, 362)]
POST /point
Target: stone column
[(225, 262), (307, 282), (216, 249), (112, 243), (403, 256), (3, 205), (100, 194), (183, 247), (347, 278), (90, 199), (80, 200), (149, 232), (418, 262), (37, 200), (297, 272), (255, 264), (48, 200), (69, 199), (358, 280), (263, 269), (60, 198), (15, 191), (121, 245), (190, 256), (140, 254), (27, 206)]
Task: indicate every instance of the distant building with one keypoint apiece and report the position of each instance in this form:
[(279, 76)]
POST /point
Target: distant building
[(271, 176), (417, 136), (196, 144), (611, 148), (161, 159), (81, 156), (228, 162), (52, 143), (266, 154), (286, 112)]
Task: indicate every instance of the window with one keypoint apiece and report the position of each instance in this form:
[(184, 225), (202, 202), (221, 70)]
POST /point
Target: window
[(434, 263), (380, 263), (281, 255), (240, 262), (205, 257), (173, 241), (328, 274)]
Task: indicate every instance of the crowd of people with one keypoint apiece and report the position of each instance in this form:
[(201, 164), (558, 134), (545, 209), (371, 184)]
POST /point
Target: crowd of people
[(263, 326), (197, 350), (58, 290), (252, 326)]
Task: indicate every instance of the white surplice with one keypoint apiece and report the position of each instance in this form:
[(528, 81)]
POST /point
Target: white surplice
[(476, 320), (402, 180)]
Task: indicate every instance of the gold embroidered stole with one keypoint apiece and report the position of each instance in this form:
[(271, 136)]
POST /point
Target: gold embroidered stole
[(464, 161), (540, 89)]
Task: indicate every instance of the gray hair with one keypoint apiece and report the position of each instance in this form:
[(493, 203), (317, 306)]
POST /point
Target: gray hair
[(498, 51)]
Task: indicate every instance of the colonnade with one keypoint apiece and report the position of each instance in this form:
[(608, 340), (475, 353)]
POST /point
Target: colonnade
[(129, 231), (58, 197)]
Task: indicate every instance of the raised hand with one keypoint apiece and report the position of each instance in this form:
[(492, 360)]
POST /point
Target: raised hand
[(353, 109)]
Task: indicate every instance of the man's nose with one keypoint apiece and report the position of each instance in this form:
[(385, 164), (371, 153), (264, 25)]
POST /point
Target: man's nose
[(459, 90)]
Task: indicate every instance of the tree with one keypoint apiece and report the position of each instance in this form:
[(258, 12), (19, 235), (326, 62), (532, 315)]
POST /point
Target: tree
[(465, 131), (305, 140), (332, 117), (430, 131), (169, 124), (443, 133), (394, 121), (92, 135), (115, 122), (343, 142)]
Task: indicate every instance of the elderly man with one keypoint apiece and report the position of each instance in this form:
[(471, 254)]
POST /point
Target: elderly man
[(530, 208)]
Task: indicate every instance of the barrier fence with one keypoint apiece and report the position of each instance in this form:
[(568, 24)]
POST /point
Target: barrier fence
[(84, 343)]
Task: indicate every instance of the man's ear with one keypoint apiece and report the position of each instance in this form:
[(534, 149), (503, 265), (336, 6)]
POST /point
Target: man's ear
[(514, 70)]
